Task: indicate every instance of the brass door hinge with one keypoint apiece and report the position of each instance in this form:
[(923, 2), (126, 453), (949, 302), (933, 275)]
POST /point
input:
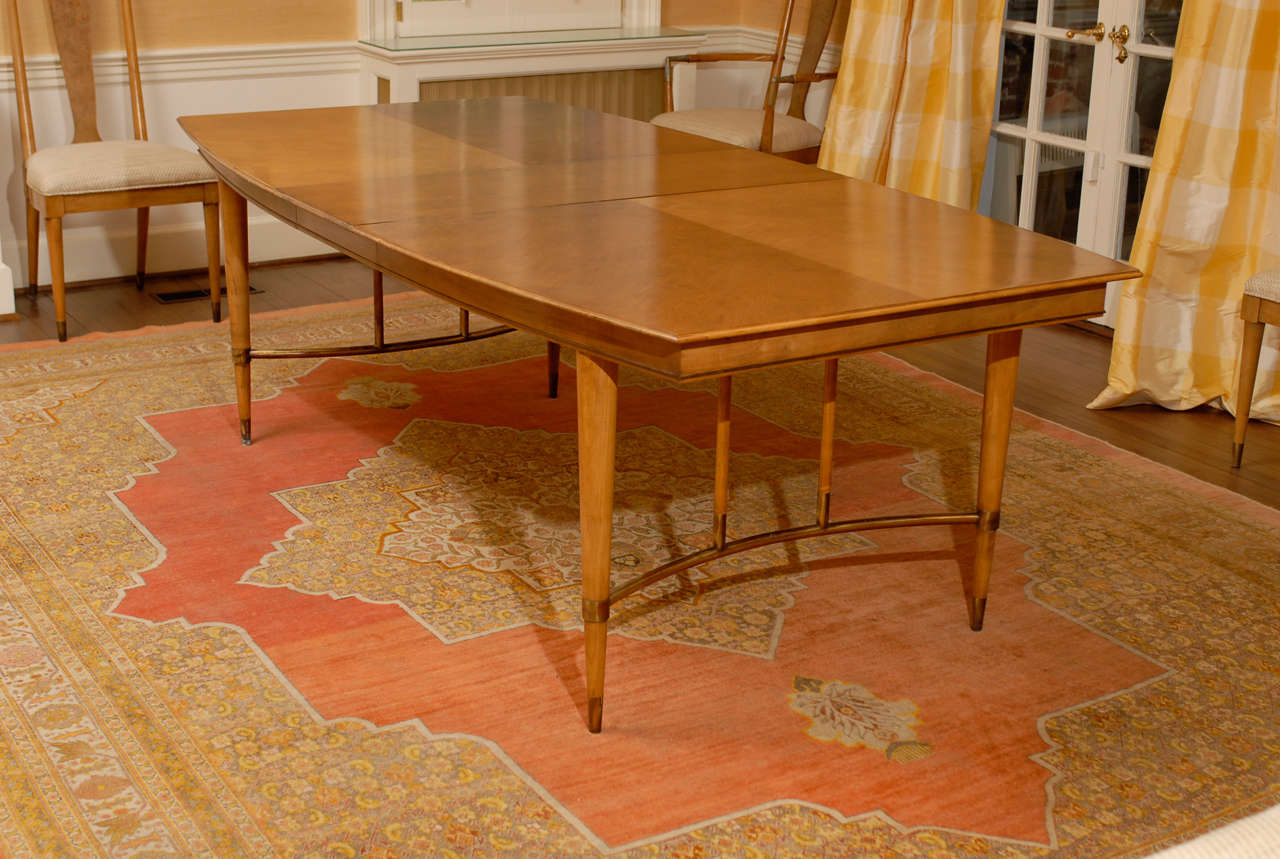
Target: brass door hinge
[(399, 11)]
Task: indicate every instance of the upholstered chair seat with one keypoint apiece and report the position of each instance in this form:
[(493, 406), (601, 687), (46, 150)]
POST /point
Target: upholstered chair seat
[(114, 165), (1264, 284), (742, 127), (786, 132)]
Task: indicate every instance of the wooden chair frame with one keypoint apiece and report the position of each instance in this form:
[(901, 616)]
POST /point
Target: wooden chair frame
[(821, 15), (1257, 313), (71, 30)]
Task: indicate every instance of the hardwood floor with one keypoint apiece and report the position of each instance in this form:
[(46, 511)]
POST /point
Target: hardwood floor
[(1062, 368)]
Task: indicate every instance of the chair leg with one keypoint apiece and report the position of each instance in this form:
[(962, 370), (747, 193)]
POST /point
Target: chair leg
[(53, 226), (33, 250), (1250, 350), (553, 369), (144, 224), (211, 245)]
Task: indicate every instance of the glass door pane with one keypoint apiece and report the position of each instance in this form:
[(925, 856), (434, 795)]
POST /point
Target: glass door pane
[(1015, 82), (1006, 166), (1067, 88), (1074, 14), (1059, 185), (1160, 22), (1151, 87)]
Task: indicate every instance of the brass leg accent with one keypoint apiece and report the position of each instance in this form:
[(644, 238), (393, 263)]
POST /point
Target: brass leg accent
[(211, 252), (1250, 349), (597, 431), (235, 231), (827, 446), (997, 415), (723, 406), (53, 226), (378, 315), (140, 266), (553, 370), (33, 250)]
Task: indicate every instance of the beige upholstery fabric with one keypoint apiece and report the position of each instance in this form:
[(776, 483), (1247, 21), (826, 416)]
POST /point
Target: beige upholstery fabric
[(1264, 284), (113, 165), (741, 127)]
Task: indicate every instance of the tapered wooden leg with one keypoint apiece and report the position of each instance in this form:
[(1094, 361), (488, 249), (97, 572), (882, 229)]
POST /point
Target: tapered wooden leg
[(997, 416), (33, 250), (144, 227), (1250, 350), (215, 267), (724, 408), (827, 444), (597, 431), (53, 226), (235, 237), (553, 369)]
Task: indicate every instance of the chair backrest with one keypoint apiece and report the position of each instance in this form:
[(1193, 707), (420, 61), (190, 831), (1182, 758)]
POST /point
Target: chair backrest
[(822, 13), (71, 30)]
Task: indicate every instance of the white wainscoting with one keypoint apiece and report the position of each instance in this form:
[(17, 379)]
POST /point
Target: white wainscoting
[(269, 77)]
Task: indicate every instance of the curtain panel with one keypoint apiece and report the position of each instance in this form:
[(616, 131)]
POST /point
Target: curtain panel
[(1210, 220), (914, 100)]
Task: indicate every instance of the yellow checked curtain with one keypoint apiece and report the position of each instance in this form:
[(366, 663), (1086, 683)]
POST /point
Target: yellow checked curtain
[(913, 104), (1211, 217)]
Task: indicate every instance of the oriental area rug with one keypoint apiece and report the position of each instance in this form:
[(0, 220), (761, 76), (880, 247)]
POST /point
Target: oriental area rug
[(361, 635)]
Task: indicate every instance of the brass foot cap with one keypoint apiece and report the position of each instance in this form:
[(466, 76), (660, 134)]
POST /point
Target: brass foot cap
[(62, 332), (595, 715), (977, 610), (1237, 454)]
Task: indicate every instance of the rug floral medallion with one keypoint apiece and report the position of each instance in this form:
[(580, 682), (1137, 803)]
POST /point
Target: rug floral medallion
[(361, 634)]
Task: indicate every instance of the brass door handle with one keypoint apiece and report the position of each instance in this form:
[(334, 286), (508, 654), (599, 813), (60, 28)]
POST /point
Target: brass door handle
[(1119, 36), (1098, 30)]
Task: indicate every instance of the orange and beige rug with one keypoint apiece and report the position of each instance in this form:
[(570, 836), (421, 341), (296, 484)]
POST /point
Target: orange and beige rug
[(360, 635)]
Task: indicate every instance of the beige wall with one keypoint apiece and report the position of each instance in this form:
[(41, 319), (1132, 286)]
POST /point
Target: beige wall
[(692, 13), (164, 24), (762, 14), (766, 15)]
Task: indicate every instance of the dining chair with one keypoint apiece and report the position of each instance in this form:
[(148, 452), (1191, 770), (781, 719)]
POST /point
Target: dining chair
[(1261, 304), (90, 174), (787, 134)]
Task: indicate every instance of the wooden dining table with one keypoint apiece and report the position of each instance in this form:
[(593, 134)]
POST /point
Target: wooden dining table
[(636, 245)]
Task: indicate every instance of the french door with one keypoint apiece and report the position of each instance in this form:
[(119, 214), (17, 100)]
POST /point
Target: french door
[(1082, 89)]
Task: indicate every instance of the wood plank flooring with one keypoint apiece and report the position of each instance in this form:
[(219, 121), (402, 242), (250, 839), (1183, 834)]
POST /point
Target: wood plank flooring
[(1062, 368)]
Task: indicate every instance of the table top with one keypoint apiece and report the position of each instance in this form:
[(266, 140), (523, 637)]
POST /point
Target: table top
[(639, 244)]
